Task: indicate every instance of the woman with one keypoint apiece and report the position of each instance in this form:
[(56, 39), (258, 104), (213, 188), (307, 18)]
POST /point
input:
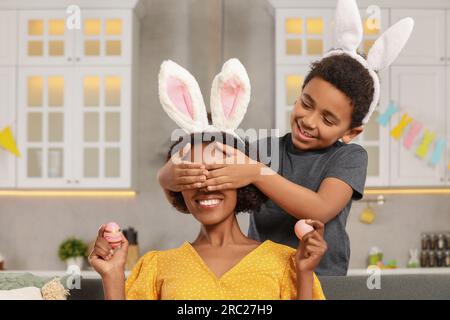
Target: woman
[(222, 263)]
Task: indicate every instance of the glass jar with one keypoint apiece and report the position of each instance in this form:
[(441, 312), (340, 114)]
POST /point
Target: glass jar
[(447, 258), (433, 241), (425, 241), (441, 242), (432, 259), (424, 259), (440, 259)]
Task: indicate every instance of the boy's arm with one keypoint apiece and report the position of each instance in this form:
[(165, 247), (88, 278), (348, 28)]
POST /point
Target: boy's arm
[(300, 202), (303, 203)]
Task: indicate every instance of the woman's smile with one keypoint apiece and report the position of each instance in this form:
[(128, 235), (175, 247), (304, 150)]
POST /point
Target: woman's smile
[(209, 201)]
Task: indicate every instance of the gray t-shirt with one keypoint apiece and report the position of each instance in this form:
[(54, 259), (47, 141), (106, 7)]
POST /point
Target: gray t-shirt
[(346, 162)]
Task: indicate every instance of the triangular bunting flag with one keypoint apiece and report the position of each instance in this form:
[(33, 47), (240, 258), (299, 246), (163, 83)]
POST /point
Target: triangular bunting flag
[(7, 141)]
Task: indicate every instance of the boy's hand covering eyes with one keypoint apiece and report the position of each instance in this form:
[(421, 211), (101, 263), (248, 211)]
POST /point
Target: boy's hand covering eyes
[(235, 170), (178, 174)]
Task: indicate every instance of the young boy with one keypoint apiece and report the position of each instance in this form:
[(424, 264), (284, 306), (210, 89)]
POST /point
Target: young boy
[(319, 172), (318, 175)]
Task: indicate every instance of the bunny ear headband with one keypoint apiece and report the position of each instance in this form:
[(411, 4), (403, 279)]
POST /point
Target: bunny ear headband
[(182, 100), (349, 34)]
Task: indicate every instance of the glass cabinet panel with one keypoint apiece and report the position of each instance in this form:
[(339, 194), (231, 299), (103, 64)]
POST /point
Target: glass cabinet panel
[(35, 27), (55, 163), (35, 87), (113, 27), (103, 103), (302, 35), (56, 127), (112, 162), (91, 127), (91, 163), (43, 112), (35, 127), (105, 38), (55, 91), (34, 163), (91, 92), (44, 39), (112, 91)]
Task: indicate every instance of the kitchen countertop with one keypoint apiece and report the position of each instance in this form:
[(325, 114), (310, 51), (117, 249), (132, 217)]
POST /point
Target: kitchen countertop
[(399, 271)]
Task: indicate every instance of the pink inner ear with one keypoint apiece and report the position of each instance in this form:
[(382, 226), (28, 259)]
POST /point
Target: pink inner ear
[(180, 96), (230, 96)]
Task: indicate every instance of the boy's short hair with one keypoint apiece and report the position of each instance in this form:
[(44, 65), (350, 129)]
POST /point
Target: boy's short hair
[(249, 198), (349, 77)]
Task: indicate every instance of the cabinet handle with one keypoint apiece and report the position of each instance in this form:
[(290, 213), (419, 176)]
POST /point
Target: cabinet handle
[(77, 59), (69, 181), (69, 59), (77, 181), (442, 58)]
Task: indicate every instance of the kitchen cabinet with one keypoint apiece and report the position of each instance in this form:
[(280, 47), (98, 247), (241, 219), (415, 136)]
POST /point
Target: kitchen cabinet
[(70, 94), (303, 35), (104, 38), (418, 81)]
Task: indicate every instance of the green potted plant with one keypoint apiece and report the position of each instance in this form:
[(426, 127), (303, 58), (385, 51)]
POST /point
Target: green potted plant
[(73, 251)]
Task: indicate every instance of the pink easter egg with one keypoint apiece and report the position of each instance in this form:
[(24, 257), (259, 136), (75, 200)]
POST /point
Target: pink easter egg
[(301, 228), (112, 227), (113, 235)]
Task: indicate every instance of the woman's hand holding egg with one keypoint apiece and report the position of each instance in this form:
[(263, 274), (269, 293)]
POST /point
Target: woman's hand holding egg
[(312, 246), (110, 250)]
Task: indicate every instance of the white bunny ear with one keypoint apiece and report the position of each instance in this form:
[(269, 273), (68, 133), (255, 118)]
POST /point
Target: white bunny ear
[(181, 98), (388, 46), (230, 95), (348, 27)]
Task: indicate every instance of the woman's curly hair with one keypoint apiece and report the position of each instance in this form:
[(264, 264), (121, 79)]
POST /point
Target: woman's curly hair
[(350, 77), (249, 198)]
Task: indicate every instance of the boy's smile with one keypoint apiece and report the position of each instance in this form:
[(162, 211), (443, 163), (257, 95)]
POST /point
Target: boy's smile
[(302, 133), (321, 116)]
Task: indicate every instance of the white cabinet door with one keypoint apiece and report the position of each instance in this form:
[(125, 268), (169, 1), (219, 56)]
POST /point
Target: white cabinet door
[(44, 38), (375, 138), (105, 38), (45, 126), (102, 156), (8, 37), (7, 118), (421, 92), (302, 35), (428, 40), (289, 87)]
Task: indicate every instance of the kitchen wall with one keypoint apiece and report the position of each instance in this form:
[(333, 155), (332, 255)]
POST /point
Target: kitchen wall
[(199, 35)]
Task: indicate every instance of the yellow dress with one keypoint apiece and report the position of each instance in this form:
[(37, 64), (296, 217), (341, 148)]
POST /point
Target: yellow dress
[(266, 273)]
